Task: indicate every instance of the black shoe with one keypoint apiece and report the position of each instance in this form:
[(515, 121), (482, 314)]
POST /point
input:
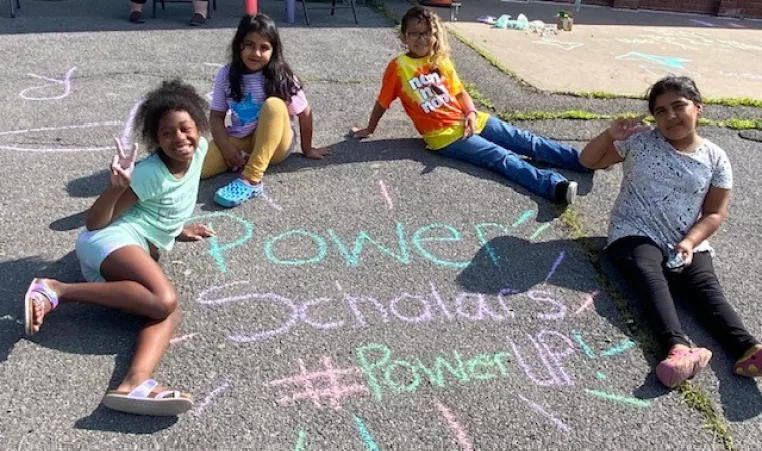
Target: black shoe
[(197, 20), (136, 17), (566, 192)]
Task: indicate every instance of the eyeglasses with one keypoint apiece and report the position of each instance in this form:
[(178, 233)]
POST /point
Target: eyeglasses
[(416, 35)]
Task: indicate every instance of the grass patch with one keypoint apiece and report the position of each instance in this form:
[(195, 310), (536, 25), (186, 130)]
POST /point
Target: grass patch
[(698, 400), (582, 115), (491, 59), (477, 96)]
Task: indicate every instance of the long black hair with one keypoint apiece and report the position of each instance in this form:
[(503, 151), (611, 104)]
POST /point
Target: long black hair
[(279, 78)]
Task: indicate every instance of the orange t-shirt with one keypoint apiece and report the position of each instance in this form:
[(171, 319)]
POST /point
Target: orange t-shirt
[(435, 111)]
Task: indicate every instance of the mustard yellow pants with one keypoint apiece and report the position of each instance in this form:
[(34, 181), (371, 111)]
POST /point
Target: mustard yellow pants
[(269, 144)]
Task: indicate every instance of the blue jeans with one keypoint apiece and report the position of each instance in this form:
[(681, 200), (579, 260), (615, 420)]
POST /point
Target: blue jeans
[(497, 146)]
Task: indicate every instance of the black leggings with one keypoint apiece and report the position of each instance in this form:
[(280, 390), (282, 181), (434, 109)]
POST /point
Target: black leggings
[(641, 262)]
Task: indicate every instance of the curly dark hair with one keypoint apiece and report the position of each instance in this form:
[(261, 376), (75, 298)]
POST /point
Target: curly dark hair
[(279, 78), (172, 95)]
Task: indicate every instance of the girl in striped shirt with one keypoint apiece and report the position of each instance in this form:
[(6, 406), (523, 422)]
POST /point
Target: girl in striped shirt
[(263, 95)]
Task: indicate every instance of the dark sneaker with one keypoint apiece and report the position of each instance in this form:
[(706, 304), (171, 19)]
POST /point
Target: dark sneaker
[(566, 192), (197, 20), (136, 17)]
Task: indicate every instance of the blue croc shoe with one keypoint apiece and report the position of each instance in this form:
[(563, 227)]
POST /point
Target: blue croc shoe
[(237, 192)]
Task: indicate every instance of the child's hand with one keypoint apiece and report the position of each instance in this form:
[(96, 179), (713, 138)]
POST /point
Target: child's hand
[(685, 249), (232, 156), (360, 133), (469, 125), (195, 232), (622, 128), (317, 153), (122, 166)]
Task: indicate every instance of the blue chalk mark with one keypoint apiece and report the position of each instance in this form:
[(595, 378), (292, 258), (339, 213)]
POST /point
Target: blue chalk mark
[(539, 230), (672, 62), (301, 441), (588, 351), (619, 398), (217, 251), (600, 376), (625, 345), (365, 434), (523, 218), (322, 248)]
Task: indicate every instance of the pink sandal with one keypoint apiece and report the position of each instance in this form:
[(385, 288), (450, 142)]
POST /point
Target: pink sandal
[(38, 292), (750, 365)]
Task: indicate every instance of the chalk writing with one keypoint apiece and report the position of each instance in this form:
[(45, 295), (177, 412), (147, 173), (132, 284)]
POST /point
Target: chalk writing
[(271, 202), (555, 266), (385, 195), (539, 230), (687, 40), (365, 434), (625, 345), (198, 411), (129, 125), (552, 362), (301, 441), (672, 62), (619, 398), (217, 251), (558, 423), (330, 382), (560, 44), (458, 432), (181, 339), (405, 376), (405, 307), (65, 83), (746, 75), (59, 149), (315, 246), (589, 299), (523, 218)]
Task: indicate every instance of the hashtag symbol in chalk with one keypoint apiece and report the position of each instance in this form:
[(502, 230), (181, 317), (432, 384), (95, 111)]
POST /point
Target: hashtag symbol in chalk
[(328, 384)]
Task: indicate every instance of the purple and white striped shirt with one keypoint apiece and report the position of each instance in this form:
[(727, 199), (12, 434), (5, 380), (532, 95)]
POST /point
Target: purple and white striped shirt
[(245, 114)]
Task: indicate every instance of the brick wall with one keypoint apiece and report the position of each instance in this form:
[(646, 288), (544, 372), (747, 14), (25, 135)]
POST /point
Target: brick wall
[(731, 8)]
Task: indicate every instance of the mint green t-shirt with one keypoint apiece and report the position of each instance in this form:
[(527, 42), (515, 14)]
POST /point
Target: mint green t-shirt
[(164, 201)]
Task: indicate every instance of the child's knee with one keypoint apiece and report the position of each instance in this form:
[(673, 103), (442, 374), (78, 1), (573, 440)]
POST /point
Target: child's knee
[(275, 105), (166, 304)]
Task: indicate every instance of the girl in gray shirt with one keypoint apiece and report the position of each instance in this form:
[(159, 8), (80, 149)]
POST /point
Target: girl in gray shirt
[(674, 195)]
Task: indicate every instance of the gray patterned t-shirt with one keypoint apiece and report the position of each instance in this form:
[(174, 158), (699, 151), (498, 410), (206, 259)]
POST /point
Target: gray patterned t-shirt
[(663, 190)]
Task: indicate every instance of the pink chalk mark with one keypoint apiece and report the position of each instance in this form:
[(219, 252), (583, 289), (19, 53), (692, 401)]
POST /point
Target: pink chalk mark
[(208, 399), (183, 338), (457, 430), (385, 194), (736, 25), (331, 379), (589, 299)]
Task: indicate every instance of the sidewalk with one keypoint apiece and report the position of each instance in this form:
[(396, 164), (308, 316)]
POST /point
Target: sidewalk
[(619, 51)]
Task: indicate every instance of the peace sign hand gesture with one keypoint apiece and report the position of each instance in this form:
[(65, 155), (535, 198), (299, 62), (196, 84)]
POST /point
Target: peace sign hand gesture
[(122, 166)]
